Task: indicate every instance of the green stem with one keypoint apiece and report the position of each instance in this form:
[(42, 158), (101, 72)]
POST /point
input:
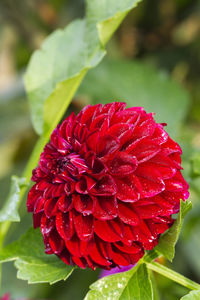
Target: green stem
[(154, 266)]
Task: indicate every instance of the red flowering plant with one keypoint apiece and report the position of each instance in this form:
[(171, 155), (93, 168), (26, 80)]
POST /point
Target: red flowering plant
[(108, 190), (106, 186)]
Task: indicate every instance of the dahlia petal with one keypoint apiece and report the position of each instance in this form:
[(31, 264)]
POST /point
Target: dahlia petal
[(64, 203), (105, 207), (79, 261), (63, 145), (84, 185), (170, 147), (128, 235), (65, 256), (133, 248), (56, 242), (83, 204), (48, 192), (90, 182), (73, 245), (47, 225), (122, 131), (54, 138), (153, 171), (147, 171), (62, 129), (160, 160), (86, 247), (146, 128), (89, 112), (50, 207), (107, 145), (37, 219), (84, 226), (81, 186), (128, 188), (65, 176), (162, 202), (135, 257), (33, 196), (64, 225), (165, 172), (143, 149), (98, 168), (47, 246), (177, 183), (128, 117), (69, 188), (90, 156), (109, 231), (90, 263), (98, 258), (104, 187), (80, 132), (78, 162), (151, 244), (58, 190), (104, 248), (37, 174), (127, 214), (98, 121), (93, 140), (151, 188), (123, 164), (176, 158), (39, 205), (113, 107), (173, 197), (120, 258), (159, 136), (58, 179), (149, 211), (42, 185), (142, 233), (157, 228)]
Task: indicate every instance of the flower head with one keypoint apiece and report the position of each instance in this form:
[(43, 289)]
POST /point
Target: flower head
[(106, 186)]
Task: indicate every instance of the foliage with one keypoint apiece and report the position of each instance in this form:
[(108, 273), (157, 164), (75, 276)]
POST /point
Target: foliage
[(9, 211), (31, 261), (134, 285), (168, 241)]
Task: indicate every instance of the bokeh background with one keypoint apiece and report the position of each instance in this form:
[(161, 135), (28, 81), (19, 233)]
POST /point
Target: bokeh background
[(153, 61)]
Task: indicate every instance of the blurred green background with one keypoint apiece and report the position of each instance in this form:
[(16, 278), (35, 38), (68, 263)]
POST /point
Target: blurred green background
[(153, 61)]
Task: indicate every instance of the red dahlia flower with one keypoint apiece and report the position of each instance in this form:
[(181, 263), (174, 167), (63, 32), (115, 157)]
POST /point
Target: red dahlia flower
[(106, 186)]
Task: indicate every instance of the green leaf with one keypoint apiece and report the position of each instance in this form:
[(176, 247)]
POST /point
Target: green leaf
[(134, 285), (138, 84), (194, 295), (108, 15), (196, 163), (9, 211), (168, 240), (32, 262), (55, 72)]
